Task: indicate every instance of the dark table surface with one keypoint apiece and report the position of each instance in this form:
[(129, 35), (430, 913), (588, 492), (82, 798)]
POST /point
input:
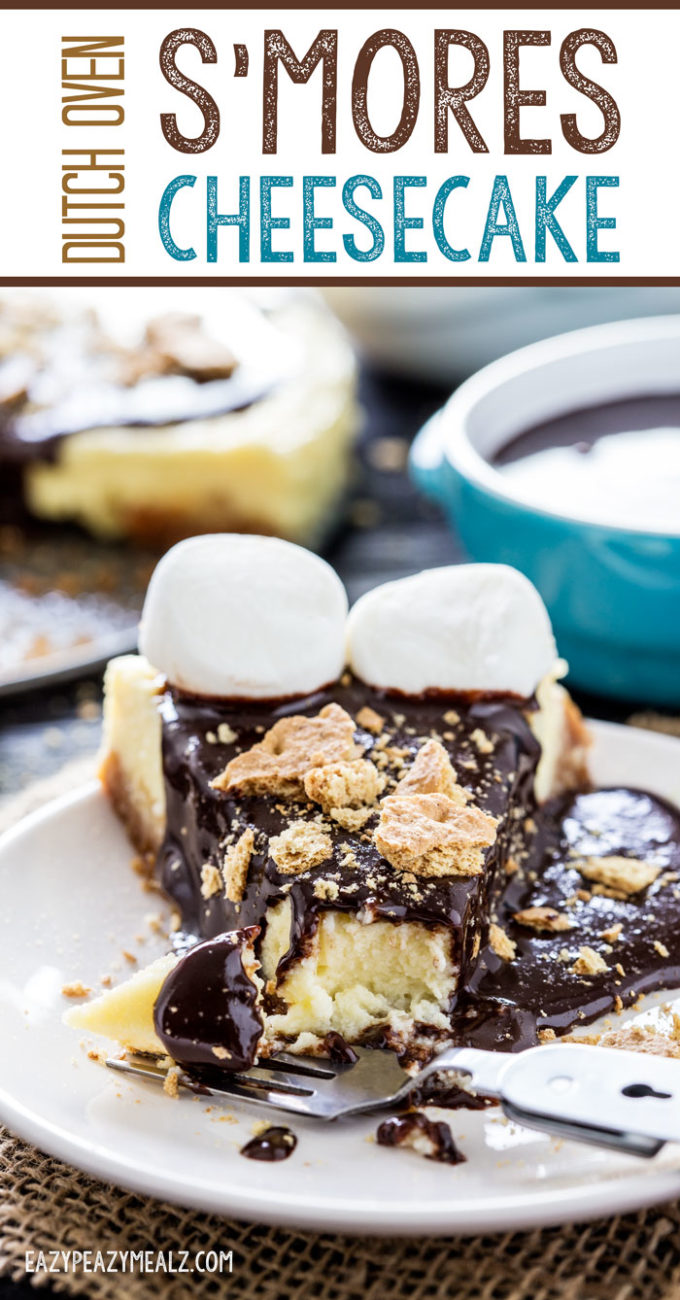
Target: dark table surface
[(389, 531)]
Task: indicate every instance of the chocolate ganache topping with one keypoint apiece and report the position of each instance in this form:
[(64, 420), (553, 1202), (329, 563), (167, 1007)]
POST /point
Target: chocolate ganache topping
[(586, 930), (201, 821), (207, 1011)]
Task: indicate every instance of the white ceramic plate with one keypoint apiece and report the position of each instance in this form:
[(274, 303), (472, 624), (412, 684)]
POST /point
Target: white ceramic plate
[(71, 904)]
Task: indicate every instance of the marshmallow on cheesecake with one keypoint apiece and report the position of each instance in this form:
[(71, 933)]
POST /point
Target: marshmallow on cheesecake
[(234, 616), (466, 627)]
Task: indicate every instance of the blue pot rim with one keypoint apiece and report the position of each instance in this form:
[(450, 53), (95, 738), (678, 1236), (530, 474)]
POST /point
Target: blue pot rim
[(460, 455)]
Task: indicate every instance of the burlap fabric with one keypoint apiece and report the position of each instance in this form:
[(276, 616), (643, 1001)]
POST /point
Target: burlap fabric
[(45, 1205)]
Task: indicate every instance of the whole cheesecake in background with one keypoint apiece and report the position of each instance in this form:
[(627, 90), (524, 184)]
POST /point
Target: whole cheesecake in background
[(158, 416), (331, 799)]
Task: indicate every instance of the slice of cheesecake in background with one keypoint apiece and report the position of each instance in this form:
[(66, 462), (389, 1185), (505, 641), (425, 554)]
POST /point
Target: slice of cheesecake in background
[(343, 791), (162, 416)]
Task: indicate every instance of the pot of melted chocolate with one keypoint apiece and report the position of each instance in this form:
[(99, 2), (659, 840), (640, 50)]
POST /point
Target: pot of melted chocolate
[(617, 463)]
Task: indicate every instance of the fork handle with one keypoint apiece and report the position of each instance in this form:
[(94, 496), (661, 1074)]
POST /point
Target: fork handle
[(626, 1100)]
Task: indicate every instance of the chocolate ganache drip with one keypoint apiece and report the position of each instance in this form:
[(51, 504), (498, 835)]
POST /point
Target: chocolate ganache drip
[(207, 1011)]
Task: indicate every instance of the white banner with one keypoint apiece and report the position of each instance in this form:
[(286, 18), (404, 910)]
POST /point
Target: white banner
[(340, 144)]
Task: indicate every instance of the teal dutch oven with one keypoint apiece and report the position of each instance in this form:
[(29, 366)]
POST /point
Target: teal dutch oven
[(613, 592)]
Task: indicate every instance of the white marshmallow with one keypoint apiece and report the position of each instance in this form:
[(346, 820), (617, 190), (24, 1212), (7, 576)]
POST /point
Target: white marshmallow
[(254, 617), (471, 627)]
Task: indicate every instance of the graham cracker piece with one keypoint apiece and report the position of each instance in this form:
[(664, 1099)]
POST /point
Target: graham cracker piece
[(622, 875), (501, 943), (179, 344), (236, 864), (543, 918), (300, 847), (431, 835), (431, 773), (278, 764), (589, 962), (369, 720), (344, 785), (211, 881)]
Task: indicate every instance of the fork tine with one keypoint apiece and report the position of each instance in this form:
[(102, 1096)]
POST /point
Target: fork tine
[(374, 1081), (275, 1080), (299, 1065), (260, 1094), (295, 1103)]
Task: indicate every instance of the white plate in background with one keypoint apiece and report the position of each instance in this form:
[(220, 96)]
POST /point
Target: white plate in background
[(444, 334)]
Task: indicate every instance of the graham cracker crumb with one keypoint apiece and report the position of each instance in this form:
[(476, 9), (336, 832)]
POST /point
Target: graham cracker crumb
[(326, 890), (211, 881), (452, 718), (369, 720), (221, 1053), (75, 990), (661, 948), (546, 1035), (483, 744), (300, 847), (589, 962), (543, 918), (431, 835), (130, 956), (625, 875), (279, 762), (641, 1038), (236, 864), (226, 734), (171, 1083), (344, 785), (431, 773), (351, 819), (612, 934), (143, 864)]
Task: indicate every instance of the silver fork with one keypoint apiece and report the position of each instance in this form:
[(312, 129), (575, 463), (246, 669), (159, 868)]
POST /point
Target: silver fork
[(623, 1100)]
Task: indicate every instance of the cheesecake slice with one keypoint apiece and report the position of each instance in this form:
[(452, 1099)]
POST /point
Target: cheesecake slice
[(222, 413), (354, 828)]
